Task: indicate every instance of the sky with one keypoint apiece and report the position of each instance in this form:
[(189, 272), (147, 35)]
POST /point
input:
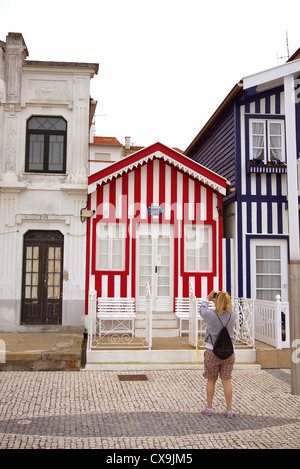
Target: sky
[(164, 65)]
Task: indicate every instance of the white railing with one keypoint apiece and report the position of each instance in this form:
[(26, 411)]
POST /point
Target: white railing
[(271, 320), (113, 323), (244, 324), (266, 321), (148, 318)]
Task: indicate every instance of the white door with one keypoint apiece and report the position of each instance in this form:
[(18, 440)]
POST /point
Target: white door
[(155, 265), (269, 269)]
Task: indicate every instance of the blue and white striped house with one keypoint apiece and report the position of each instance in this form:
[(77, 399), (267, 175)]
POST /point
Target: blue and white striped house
[(253, 140)]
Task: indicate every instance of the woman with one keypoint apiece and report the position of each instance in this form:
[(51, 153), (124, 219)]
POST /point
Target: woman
[(213, 366)]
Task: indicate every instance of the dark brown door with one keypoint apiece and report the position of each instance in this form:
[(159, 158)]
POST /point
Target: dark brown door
[(42, 277)]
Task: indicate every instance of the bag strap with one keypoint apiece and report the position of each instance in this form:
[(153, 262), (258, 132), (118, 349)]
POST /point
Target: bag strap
[(221, 321)]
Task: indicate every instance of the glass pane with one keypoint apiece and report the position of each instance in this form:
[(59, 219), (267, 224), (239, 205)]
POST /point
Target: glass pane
[(47, 123), (36, 153), (56, 152), (35, 252), (51, 253), (56, 293), (117, 246), (50, 280), (28, 266), (56, 279), (35, 279), (275, 128), (57, 253), (102, 262), (28, 279), (267, 295), (268, 252), (268, 281), (117, 262), (268, 267), (51, 266), (34, 293), (163, 291)]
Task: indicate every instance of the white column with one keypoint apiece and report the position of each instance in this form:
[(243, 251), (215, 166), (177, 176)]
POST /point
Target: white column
[(291, 149)]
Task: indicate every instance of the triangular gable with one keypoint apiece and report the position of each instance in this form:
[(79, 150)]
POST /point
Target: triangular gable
[(170, 156)]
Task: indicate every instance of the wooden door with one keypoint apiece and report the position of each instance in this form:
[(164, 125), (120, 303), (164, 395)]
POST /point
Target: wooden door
[(42, 278)]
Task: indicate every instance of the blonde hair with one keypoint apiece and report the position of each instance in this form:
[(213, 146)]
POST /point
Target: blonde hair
[(223, 302)]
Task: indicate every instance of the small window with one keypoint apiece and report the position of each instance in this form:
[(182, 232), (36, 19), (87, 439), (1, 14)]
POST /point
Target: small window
[(110, 246), (267, 140), (198, 248), (46, 145)]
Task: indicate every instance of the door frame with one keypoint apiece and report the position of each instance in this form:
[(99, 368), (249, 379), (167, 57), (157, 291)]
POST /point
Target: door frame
[(44, 239), (154, 229), (284, 263)]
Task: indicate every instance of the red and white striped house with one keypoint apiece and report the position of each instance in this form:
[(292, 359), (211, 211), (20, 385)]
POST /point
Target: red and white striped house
[(157, 218)]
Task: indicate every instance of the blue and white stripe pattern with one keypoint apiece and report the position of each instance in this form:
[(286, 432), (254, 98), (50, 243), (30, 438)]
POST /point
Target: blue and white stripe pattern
[(261, 198)]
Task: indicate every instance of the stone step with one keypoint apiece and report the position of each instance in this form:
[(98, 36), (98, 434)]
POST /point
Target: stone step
[(164, 324)]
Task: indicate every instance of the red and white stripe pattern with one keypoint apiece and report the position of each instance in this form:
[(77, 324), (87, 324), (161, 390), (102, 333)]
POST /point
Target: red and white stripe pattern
[(126, 198)]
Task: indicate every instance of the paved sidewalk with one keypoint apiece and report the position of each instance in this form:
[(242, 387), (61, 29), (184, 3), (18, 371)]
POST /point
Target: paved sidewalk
[(94, 409)]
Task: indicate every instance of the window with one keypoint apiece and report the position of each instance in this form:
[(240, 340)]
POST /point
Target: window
[(46, 145), (110, 246), (198, 248), (267, 140)]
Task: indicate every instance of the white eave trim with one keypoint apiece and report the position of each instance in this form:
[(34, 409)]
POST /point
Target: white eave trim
[(158, 154), (275, 74)]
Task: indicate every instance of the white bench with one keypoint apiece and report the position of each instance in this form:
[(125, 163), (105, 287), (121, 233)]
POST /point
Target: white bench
[(182, 312), (119, 314)]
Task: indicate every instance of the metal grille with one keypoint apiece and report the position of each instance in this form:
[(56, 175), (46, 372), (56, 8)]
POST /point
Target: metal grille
[(133, 377)]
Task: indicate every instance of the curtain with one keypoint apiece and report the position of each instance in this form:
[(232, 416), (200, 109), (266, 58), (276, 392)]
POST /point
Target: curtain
[(275, 141), (258, 140)]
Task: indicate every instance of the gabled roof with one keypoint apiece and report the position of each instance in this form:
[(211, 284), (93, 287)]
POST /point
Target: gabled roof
[(170, 156), (238, 87)]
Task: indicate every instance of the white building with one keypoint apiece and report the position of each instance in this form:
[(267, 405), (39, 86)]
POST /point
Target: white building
[(107, 150), (45, 116)]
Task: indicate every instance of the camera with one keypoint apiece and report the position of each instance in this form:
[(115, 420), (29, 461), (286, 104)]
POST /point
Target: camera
[(215, 295)]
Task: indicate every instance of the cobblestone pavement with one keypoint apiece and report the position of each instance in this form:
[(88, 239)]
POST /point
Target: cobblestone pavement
[(94, 409)]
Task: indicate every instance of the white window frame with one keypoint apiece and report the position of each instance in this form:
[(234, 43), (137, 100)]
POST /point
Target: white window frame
[(267, 140), (107, 233), (200, 237)]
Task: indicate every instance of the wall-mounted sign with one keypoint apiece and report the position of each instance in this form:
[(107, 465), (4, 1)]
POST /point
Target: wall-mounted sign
[(155, 211)]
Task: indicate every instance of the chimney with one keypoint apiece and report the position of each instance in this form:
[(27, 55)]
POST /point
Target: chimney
[(127, 143)]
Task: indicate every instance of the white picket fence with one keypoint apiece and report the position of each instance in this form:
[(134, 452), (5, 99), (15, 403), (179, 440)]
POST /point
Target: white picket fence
[(272, 325)]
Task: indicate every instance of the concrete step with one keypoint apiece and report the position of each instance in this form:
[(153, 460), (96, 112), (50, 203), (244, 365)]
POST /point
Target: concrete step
[(159, 359)]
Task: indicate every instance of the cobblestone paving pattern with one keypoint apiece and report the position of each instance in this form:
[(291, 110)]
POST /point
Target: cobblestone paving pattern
[(93, 409)]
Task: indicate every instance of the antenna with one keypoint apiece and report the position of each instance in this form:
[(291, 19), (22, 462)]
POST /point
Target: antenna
[(287, 45), (287, 48)]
